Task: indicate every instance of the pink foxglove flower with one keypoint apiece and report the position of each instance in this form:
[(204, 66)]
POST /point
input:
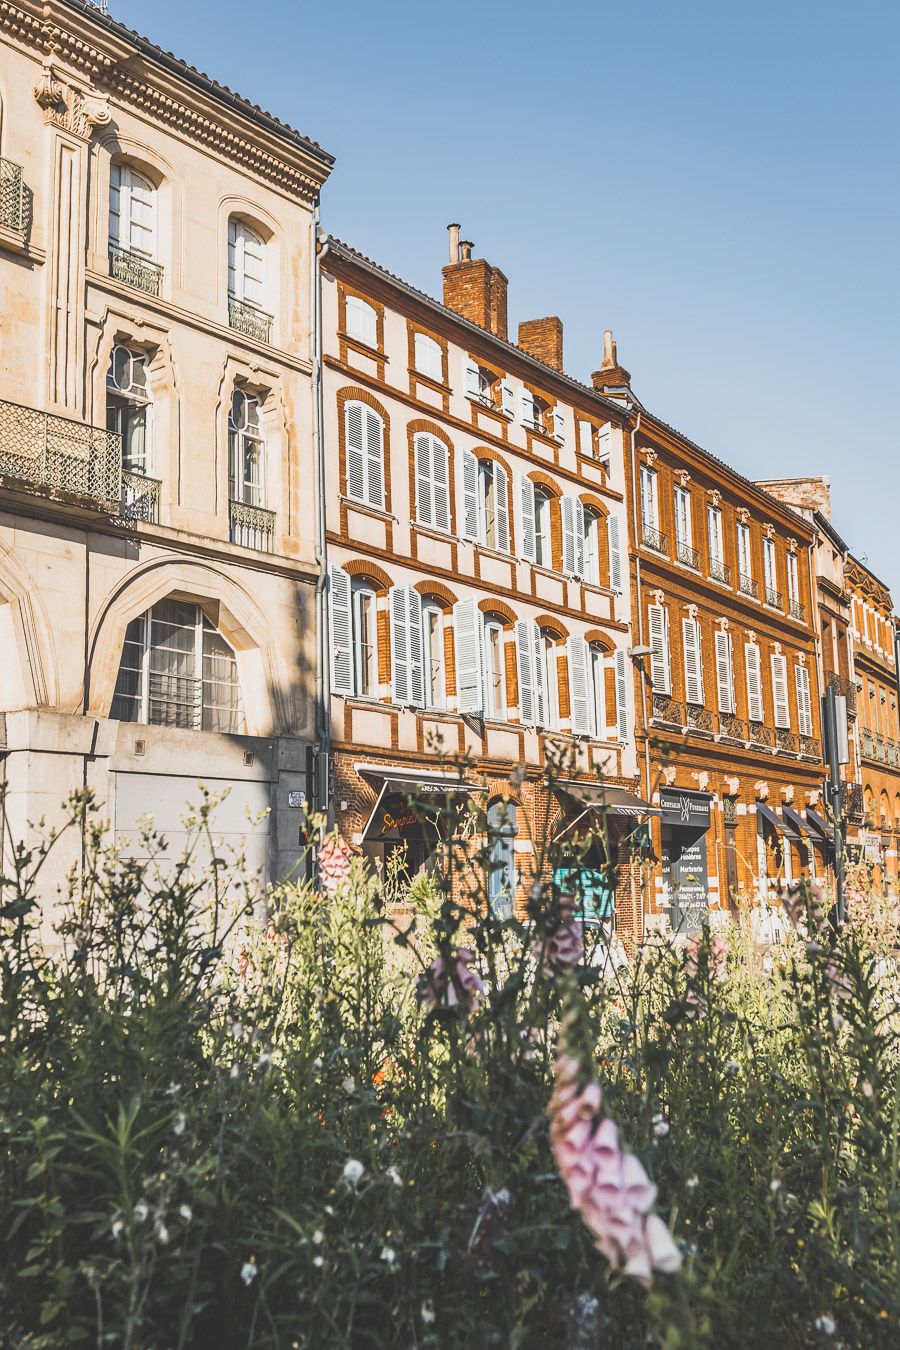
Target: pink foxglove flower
[(560, 951), (451, 985), (717, 956), (606, 1184), (334, 865)]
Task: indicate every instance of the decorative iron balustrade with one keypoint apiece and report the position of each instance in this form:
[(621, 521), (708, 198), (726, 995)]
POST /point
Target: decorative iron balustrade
[(699, 718), (249, 320), (846, 688), (720, 571), (142, 273), (810, 748), (668, 711), (852, 803), (880, 748), (798, 611), (12, 195), (58, 455), (867, 744), (655, 539), (733, 728), (786, 740), (687, 556), (893, 753), (761, 735), (748, 586), (252, 526), (140, 498), (774, 599)]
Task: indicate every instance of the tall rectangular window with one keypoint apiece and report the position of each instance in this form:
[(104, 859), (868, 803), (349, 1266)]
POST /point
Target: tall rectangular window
[(683, 530), (364, 640), (649, 502), (494, 671)]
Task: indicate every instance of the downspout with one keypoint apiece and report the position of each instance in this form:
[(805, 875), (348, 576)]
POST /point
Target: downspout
[(323, 662), (633, 431)]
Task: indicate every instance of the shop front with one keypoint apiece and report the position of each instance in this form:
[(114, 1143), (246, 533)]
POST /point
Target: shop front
[(684, 826), (414, 818), (601, 839)]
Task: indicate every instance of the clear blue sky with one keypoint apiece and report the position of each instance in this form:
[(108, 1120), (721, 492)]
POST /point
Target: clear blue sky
[(716, 182)]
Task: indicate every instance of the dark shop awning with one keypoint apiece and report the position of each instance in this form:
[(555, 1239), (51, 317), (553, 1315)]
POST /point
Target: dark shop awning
[(402, 805), (782, 826), (795, 820), (819, 825), (581, 799)]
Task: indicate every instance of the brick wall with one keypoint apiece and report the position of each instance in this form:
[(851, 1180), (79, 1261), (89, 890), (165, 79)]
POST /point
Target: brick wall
[(477, 291), (543, 338)]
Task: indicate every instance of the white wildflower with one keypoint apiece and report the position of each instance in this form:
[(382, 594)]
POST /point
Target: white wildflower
[(318, 1236), (427, 1313), (249, 1271), (317, 1063), (393, 1175), (353, 1170), (186, 1213), (660, 1127), (173, 1089), (141, 1210), (264, 1060), (388, 1255), (731, 1068), (319, 1261), (826, 1325), (692, 1182), (774, 1185), (348, 1085), (161, 1231), (118, 1225), (237, 1031), (180, 1123), (235, 1071)]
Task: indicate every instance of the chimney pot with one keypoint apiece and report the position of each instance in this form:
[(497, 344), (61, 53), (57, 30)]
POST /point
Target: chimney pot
[(453, 232), (465, 250)]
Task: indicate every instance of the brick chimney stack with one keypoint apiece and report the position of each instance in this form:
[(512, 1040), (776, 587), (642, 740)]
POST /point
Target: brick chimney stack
[(543, 338), (611, 375), (473, 288)]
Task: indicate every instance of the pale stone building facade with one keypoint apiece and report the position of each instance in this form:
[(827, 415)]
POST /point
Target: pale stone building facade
[(158, 560)]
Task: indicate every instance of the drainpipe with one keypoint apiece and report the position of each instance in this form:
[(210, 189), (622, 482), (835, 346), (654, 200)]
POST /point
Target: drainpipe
[(323, 662), (635, 492)]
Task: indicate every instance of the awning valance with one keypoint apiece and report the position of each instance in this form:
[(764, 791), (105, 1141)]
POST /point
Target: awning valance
[(604, 800), (822, 833), (782, 826)]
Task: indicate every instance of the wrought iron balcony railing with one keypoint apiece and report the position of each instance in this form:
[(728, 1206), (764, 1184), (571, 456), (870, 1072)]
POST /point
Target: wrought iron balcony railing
[(786, 740), (140, 497), (252, 526), (48, 454), (762, 735), (893, 753), (733, 728), (720, 571), (249, 320), (797, 610), (142, 273), (810, 748), (774, 599), (852, 802), (667, 711), (12, 195), (747, 586), (866, 744), (880, 748), (843, 686), (654, 538), (687, 556), (699, 718)]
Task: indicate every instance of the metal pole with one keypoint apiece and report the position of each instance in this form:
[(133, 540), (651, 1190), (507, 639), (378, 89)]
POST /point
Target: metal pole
[(831, 707)]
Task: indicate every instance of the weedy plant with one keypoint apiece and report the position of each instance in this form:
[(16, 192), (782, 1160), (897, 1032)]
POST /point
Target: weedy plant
[(375, 1114)]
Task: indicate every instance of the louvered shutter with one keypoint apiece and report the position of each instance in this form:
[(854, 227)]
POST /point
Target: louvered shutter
[(470, 495), (780, 692), (615, 553), (568, 535), (424, 446), (585, 437), (804, 702), (354, 421), (660, 661), (414, 639), (539, 683), (621, 695), (374, 458), (524, 659), (693, 662), (526, 506), (580, 700), (471, 377), (604, 442), (508, 397), (468, 646), (578, 510), (501, 502), (754, 683), (341, 631), (527, 408), (559, 425), (440, 478), (724, 672), (400, 653)]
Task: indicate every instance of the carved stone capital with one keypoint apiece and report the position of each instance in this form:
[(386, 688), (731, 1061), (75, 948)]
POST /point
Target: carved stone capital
[(75, 109), (787, 792), (668, 774), (683, 477), (792, 546), (715, 496), (732, 785), (649, 454), (769, 531), (743, 514)]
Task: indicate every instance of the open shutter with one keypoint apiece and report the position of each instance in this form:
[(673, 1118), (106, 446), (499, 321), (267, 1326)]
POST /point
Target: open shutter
[(524, 668), (578, 510), (660, 662), (355, 451), (804, 703), (559, 425), (471, 377), (527, 408), (414, 647), (508, 397), (585, 437), (693, 661), (526, 506), (501, 481), (604, 442), (780, 692), (400, 653), (539, 684), (424, 479), (468, 646), (374, 459), (470, 495), (615, 553), (341, 631), (754, 683), (580, 700), (568, 535), (440, 480), (724, 672), (621, 695)]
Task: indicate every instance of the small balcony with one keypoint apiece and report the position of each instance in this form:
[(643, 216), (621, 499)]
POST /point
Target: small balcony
[(762, 736), (797, 611), (852, 803), (143, 274), (700, 719), (12, 196), (687, 556), (747, 586), (249, 320), (654, 538), (810, 747), (844, 687), (774, 599), (866, 744), (787, 742), (667, 712), (733, 729), (54, 456), (719, 571), (252, 526), (140, 498)]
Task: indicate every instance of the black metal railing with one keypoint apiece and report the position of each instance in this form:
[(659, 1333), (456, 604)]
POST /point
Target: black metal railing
[(747, 586), (140, 497), (787, 741), (50, 454), (700, 719), (655, 539), (852, 802), (687, 556), (774, 599), (733, 728), (135, 270), (797, 610), (249, 320), (720, 571), (844, 687), (12, 195)]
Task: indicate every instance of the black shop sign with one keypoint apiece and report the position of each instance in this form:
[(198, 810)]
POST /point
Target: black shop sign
[(685, 821), (688, 810)]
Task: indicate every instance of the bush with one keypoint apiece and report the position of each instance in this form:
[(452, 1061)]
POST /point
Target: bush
[(303, 1119)]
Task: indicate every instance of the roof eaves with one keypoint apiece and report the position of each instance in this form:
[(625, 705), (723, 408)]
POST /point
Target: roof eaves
[(825, 525)]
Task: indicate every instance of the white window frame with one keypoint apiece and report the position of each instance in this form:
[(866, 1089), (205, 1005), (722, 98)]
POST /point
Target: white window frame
[(744, 551), (246, 439), (543, 528), (591, 570), (428, 357), (130, 404), (714, 535), (597, 688), (434, 674), (130, 194), (684, 530), (364, 603), (549, 655), (495, 628), (770, 566), (493, 532), (793, 579), (361, 321), (649, 498), (246, 246)]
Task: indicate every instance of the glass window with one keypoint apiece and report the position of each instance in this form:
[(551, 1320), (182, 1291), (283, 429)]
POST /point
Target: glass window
[(245, 450), (178, 671), (362, 321), (743, 539), (487, 493), (551, 681), (597, 676), (433, 654), (502, 876), (769, 564), (495, 670), (246, 264), (714, 534), (132, 211), (543, 545), (428, 357), (128, 407), (365, 640), (683, 531), (793, 579), (591, 546), (649, 504)]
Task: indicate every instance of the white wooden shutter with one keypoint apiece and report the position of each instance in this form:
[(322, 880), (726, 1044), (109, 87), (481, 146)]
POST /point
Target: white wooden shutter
[(468, 645), (580, 700), (780, 692), (508, 397), (754, 682), (406, 645), (501, 480), (604, 442), (471, 377), (804, 702), (567, 505), (615, 553), (527, 408), (539, 684), (724, 672), (355, 450), (578, 510), (660, 659), (524, 660), (559, 425), (374, 458), (585, 437), (693, 661), (440, 478), (424, 479), (470, 495), (526, 506), (341, 631), (621, 695)]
